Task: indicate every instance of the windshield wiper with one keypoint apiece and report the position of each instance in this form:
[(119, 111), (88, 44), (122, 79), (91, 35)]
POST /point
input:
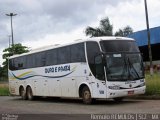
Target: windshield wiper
[(125, 69), (131, 65)]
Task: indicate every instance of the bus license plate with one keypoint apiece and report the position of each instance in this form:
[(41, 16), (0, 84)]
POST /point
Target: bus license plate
[(131, 92)]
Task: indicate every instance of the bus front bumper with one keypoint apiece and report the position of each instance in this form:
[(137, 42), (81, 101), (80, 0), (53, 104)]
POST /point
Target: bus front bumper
[(125, 92)]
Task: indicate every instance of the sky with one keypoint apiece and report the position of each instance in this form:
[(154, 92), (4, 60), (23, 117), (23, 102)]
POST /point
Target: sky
[(41, 23)]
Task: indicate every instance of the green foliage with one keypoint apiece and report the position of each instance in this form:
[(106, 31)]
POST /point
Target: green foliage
[(153, 84), (124, 32), (106, 29), (4, 90), (14, 49)]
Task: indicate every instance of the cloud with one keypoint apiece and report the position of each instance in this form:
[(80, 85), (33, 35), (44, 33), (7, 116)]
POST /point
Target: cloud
[(36, 18), (133, 14), (43, 22)]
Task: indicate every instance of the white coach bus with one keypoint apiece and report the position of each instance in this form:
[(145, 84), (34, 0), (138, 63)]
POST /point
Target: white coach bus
[(100, 67)]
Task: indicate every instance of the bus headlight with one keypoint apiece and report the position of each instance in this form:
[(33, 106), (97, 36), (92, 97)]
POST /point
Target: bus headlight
[(114, 87), (143, 84)]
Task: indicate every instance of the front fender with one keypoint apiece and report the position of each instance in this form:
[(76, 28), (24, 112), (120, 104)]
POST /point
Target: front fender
[(88, 85)]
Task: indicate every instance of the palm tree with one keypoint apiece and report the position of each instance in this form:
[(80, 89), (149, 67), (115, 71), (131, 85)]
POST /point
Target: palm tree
[(124, 32), (104, 29)]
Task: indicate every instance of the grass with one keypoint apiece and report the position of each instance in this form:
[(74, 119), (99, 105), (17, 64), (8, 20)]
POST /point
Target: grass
[(4, 90), (153, 84)]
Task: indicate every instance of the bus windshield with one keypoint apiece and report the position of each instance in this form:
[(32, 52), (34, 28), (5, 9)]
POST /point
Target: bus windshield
[(124, 66), (119, 46), (123, 60)]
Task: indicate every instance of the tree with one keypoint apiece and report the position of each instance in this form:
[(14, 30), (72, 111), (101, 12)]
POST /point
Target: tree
[(18, 49), (124, 32), (104, 29), (0, 72)]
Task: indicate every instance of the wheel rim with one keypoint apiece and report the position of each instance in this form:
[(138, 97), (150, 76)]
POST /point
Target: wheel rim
[(86, 97)]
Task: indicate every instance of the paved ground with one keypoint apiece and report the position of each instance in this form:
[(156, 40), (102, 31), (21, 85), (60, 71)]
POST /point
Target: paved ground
[(14, 105)]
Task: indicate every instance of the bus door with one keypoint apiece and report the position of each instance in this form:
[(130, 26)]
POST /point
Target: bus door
[(100, 75)]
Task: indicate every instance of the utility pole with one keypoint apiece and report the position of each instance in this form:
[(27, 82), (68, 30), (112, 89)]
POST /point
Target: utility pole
[(11, 15), (149, 42), (9, 36)]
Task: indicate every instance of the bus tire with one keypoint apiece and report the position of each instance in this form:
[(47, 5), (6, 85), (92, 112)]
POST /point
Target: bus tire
[(30, 93), (23, 93), (86, 95)]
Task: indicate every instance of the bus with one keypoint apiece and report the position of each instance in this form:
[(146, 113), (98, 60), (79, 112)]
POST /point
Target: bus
[(92, 68)]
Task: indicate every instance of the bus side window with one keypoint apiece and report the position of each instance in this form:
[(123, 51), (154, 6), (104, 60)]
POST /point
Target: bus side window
[(63, 55), (39, 59), (11, 64), (77, 53), (92, 51), (99, 67), (51, 57), (30, 61)]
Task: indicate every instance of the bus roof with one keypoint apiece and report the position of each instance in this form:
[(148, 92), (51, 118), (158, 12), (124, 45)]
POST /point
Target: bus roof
[(96, 39)]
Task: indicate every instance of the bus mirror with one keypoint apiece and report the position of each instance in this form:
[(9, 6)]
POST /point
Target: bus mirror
[(98, 59)]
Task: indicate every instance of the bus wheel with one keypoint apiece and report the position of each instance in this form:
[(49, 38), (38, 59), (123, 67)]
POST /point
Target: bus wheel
[(119, 99), (29, 93), (86, 96), (23, 94)]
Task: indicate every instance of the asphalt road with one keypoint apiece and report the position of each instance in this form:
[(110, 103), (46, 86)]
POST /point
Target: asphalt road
[(64, 108)]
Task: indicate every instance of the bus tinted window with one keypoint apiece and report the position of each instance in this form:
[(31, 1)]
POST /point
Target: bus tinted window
[(30, 61), (64, 55), (92, 51), (78, 53), (18, 63), (119, 46), (22, 62), (39, 59), (51, 57), (11, 64)]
